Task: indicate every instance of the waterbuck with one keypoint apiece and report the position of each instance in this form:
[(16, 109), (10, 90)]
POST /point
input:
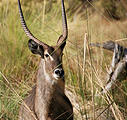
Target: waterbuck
[(47, 100)]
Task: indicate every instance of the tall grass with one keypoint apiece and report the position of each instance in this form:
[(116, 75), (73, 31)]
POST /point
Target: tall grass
[(85, 72)]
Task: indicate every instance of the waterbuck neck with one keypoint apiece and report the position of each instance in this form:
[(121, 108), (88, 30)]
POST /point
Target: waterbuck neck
[(47, 86)]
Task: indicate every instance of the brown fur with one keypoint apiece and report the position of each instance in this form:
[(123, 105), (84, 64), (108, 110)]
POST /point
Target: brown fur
[(47, 101)]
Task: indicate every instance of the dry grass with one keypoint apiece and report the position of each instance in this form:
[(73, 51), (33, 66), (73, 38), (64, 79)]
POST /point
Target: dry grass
[(85, 67)]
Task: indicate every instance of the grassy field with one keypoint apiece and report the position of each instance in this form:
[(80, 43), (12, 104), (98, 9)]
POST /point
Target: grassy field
[(85, 67)]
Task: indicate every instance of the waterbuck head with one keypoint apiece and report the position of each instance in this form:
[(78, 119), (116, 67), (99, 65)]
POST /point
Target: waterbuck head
[(51, 55)]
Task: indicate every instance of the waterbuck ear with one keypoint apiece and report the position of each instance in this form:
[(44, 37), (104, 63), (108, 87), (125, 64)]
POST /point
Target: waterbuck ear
[(61, 42), (36, 48)]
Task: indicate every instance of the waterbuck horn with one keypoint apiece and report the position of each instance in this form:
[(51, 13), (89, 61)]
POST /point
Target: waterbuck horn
[(27, 31), (63, 37)]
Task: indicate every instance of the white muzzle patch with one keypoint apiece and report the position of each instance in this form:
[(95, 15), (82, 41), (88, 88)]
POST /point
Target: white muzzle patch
[(58, 73)]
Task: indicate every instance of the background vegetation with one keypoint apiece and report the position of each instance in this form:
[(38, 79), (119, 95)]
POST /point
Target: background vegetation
[(85, 67)]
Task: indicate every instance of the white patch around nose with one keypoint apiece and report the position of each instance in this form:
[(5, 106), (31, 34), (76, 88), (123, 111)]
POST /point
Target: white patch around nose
[(55, 76)]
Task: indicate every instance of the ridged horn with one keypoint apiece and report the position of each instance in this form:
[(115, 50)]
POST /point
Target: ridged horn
[(64, 35), (25, 28)]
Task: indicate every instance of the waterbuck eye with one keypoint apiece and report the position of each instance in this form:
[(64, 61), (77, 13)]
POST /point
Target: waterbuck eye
[(46, 55)]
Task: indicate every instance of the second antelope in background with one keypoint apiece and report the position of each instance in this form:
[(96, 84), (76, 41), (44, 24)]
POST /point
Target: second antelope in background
[(118, 68), (47, 100)]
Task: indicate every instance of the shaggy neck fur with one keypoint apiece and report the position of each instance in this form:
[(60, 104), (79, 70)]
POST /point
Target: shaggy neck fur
[(47, 86)]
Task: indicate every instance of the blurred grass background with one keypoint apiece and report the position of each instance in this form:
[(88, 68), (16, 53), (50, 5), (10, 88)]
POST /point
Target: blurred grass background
[(102, 20)]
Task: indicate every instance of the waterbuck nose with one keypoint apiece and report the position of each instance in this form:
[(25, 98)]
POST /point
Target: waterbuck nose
[(59, 72)]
